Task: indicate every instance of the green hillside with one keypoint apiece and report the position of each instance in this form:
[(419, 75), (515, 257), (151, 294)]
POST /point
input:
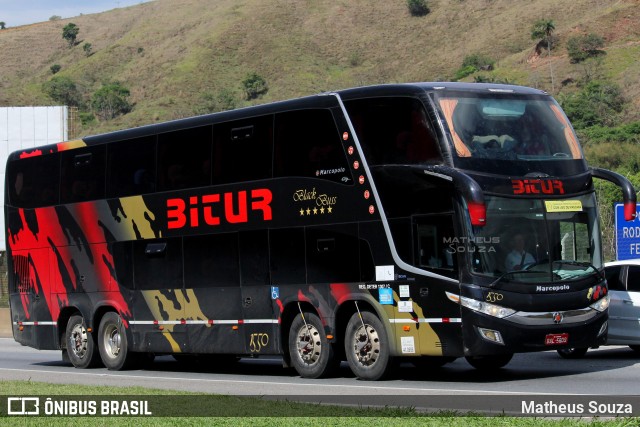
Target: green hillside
[(172, 54)]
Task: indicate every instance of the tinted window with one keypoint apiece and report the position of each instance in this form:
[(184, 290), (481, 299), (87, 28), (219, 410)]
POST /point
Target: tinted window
[(242, 150), (131, 167), (434, 253), (287, 256), (613, 278), (157, 264), (633, 279), (333, 254), (211, 260), (184, 159), (123, 263), (254, 251), (34, 181), (83, 174), (394, 130), (308, 144)]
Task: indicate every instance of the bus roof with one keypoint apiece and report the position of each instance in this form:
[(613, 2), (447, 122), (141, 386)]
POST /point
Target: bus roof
[(318, 100)]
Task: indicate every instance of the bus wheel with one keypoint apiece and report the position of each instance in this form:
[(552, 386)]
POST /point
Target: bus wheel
[(367, 347), (81, 348), (311, 353), (489, 363), (572, 352), (113, 345)]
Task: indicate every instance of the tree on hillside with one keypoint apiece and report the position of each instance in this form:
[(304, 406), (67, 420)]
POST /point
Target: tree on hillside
[(87, 47), (70, 33), (597, 104), (418, 7), (111, 100), (63, 90), (542, 30), (254, 86), (2, 25), (581, 48)]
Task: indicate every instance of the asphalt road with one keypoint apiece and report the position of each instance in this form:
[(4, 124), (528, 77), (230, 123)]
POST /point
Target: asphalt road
[(604, 371)]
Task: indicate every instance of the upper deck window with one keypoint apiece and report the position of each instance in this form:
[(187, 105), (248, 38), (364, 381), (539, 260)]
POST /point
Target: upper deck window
[(308, 144), (394, 130), (509, 127)]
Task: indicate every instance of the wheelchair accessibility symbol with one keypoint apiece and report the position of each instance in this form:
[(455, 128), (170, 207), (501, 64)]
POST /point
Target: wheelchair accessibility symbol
[(275, 292)]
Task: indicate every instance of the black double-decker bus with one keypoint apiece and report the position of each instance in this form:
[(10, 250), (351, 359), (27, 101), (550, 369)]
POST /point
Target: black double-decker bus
[(426, 221)]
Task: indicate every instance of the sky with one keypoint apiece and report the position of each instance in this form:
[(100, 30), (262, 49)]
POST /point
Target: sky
[(14, 13)]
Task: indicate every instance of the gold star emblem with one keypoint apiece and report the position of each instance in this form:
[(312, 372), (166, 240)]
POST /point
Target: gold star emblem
[(301, 212), (308, 211), (329, 209), (321, 210), (315, 211)]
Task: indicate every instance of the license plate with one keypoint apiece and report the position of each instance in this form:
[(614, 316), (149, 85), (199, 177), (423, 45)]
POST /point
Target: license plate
[(556, 339)]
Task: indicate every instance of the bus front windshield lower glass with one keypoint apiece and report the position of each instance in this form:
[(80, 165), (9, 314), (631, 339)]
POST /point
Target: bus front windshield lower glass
[(508, 127), (532, 240)]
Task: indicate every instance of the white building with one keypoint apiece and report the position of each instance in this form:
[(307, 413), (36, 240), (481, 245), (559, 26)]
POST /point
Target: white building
[(27, 127)]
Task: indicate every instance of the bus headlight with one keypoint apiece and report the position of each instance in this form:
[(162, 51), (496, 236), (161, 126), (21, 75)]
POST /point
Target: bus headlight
[(486, 308), (602, 304)]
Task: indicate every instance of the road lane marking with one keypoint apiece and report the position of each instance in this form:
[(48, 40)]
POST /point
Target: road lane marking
[(314, 385)]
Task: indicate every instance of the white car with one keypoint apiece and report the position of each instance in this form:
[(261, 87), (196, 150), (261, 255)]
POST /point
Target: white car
[(623, 278)]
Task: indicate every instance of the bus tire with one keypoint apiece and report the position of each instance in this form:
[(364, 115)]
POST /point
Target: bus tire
[(113, 344), (572, 352), (312, 354), (80, 346), (367, 347), (489, 363)]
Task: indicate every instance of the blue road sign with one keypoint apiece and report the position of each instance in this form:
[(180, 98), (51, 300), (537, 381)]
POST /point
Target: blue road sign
[(627, 234)]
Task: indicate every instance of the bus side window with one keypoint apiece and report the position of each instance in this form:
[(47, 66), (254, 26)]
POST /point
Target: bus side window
[(211, 261), (287, 256), (157, 264), (394, 130), (184, 158), (333, 254), (33, 182), (83, 174), (131, 167), (308, 144), (242, 150), (436, 244)]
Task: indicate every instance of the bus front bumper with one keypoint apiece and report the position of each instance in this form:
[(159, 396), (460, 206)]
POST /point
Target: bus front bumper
[(528, 332)]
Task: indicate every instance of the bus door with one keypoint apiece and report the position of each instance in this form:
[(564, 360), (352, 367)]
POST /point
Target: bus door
[(257, 296)]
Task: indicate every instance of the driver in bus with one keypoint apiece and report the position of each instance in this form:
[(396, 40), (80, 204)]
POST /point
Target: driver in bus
[(518, 257)]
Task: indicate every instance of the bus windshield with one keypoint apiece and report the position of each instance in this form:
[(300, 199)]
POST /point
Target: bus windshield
[(503, 126), (532, 240)]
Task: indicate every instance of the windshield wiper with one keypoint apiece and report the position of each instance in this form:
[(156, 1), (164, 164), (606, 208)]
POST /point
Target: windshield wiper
[(504, 275)]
